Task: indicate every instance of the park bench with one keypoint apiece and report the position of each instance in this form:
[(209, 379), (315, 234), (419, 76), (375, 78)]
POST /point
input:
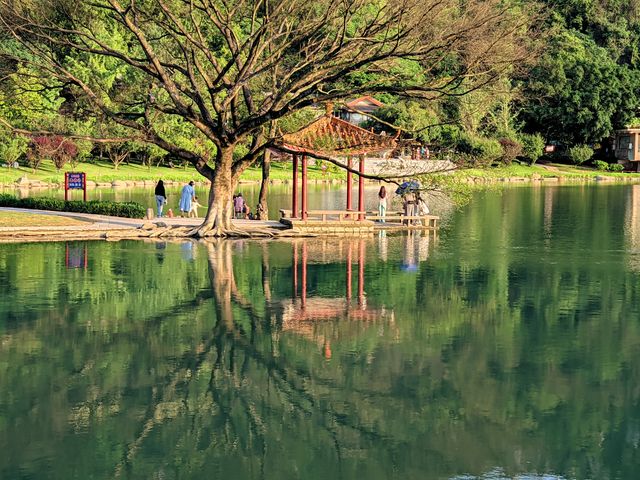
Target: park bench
[(323, 215)]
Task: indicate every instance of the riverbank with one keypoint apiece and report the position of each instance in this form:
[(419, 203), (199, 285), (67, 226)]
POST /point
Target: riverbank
[(103, 175), (19, 225)]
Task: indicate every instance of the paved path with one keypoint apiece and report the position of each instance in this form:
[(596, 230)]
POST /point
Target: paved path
[(104, 222)]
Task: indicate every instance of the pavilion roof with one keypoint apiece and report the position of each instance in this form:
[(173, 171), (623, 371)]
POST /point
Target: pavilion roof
[(329, 135)]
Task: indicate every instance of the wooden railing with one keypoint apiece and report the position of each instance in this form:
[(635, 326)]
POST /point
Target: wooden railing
[(430, 221), (325, 215)]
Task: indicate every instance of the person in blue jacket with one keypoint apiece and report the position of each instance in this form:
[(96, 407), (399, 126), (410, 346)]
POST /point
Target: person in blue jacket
[(186, 197)]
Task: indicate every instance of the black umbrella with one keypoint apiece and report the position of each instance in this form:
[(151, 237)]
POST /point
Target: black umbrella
[(406, 187)]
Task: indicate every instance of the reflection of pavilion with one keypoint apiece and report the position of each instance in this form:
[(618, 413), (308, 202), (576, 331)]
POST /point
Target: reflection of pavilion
[(301, 313)]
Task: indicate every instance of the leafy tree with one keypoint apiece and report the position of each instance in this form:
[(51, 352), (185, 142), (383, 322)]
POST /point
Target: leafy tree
[(226, 71), (12, 147), (588, 80), (532, 146)]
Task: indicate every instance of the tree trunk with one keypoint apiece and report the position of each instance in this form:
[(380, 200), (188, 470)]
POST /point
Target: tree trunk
[(217, 222), (263, 208)]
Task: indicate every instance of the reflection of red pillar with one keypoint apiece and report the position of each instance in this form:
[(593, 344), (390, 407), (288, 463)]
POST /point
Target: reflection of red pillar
[(327, 350), (304, 274), (349, 181), (361, 188), (294, 199), (295, 270), (304, 187), (86, 257), (349, 272), (361, 274)]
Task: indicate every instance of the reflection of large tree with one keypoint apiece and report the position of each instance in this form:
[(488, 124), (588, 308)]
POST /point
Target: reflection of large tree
[(505, 362)]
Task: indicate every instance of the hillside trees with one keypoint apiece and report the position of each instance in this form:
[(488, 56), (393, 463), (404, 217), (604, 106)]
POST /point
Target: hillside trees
[(588, 80), (225, 71)]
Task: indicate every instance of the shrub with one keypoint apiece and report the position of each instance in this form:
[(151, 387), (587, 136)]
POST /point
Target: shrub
[(580, 154), (98, 207), (600, 165), (511, 149), (616, 167), (532, 146), (484, 150)]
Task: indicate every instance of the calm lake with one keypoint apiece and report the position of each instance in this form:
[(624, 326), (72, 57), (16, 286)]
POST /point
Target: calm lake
[(322, 196), (507, 347)]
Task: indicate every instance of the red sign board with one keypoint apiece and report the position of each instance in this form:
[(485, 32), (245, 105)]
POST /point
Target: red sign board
[(75, 181)]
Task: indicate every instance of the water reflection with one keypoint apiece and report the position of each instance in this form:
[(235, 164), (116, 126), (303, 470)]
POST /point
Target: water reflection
[(500, 353)]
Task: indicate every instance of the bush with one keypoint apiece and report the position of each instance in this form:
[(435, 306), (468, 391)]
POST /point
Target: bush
[(616, 167), (98, 207), (600, 165), (532, 146), (484, 150), (580, 154), (511, 149)]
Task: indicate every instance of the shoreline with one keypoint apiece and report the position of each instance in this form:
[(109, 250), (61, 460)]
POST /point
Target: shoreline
[(473, 180)]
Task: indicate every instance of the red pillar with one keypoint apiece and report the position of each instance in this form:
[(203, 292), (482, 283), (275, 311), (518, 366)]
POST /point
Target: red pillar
[(294, 199), (349, 181), (361, 188), (361, 274), (304, 187)]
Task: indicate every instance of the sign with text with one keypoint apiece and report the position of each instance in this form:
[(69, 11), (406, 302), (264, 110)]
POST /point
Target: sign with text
[(75, 181)]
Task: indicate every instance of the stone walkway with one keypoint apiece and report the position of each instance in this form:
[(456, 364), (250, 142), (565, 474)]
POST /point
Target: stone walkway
[(103, 226)]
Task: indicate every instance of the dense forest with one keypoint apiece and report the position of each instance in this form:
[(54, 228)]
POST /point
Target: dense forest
[(563, 72)]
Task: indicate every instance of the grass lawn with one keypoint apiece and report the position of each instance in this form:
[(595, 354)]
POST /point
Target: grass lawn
[(554, 170), (19, 219), (104, 172)]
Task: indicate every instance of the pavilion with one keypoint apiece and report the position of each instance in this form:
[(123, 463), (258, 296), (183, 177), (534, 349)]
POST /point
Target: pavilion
[(329, 137)]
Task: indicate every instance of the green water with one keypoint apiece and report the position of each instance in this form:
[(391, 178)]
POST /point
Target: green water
[(507, 348)]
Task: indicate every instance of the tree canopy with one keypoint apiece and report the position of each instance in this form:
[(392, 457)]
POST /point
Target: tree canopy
[(223, 72)]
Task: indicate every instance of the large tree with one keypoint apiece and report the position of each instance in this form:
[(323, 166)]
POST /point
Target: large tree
[(225, 70)]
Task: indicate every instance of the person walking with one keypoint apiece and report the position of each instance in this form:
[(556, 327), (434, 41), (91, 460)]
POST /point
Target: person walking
[(161, 196), (187, 196), (382, 203)]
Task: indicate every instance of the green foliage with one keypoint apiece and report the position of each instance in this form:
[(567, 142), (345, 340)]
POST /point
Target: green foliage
[(601, 165), (12, 148), (605, 166), (98, 207), (616, 167), (511, 149), (418, 119), (532, 146), (484, 150), (579, 154), (587, 82)]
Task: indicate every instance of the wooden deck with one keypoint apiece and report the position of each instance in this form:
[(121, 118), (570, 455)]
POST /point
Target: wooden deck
[(393, 220)]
